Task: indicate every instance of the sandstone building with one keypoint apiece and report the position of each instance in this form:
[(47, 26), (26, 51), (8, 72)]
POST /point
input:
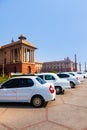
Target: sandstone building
[(58, 66), (17, 56), (38, 66)]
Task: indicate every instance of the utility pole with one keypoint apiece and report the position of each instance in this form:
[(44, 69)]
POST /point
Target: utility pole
[(75, 63), (85, 66), (79, 66)]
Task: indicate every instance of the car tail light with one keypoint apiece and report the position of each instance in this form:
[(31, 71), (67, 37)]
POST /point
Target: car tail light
[(51, 89), (77, 78)]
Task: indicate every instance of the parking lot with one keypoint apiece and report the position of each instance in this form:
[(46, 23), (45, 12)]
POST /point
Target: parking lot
[(67, 112)]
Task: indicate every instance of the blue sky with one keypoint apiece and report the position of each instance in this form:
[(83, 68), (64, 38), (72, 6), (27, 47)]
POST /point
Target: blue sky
[(58, 28)]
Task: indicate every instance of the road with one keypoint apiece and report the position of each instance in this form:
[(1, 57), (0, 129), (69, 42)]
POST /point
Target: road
[(67, 112)]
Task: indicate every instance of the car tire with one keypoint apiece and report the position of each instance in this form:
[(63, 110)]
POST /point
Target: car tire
[(58, 90), (72, 85), (37, 101)]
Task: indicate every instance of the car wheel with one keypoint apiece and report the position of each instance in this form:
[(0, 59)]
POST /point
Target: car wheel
[(37, 101), (72, 85), (58, 90)]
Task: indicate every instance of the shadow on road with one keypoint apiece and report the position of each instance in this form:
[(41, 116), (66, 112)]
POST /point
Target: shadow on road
[(18, 105)]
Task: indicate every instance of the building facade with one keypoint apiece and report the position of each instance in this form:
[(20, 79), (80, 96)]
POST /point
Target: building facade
[(17, 56), (59, 66), (38, 67)]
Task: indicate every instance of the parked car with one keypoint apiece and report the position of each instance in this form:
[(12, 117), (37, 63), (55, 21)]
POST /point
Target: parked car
[(77, 76), (73, 81), (60, 84), (30, 89), (84, 74)]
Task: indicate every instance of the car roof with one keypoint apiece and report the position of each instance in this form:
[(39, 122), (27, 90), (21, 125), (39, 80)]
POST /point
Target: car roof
[(45, 73), (64, 73), (23, 77)]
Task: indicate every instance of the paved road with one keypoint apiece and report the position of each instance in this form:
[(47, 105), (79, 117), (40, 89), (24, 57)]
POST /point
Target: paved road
[(67, 112)]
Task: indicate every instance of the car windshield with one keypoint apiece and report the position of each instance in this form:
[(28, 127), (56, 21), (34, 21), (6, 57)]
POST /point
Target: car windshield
[(72, 74), (41, 81)]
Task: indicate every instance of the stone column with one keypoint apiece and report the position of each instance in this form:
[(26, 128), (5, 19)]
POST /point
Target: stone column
[(18, 54), (13, 56), (25, 54), (21, 56), (28, 55), (32, 55)]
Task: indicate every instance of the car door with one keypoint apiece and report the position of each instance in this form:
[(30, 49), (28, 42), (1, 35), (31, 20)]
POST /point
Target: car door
[(8, 91), (49, 78), (25, 89)]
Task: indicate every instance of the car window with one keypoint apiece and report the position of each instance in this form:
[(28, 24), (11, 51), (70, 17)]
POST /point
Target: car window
[(41, 81), (41, 76), (60, 75), (25, 82), (72, 74), (49, 77), (18, 83), (13, 83), (63, 75)]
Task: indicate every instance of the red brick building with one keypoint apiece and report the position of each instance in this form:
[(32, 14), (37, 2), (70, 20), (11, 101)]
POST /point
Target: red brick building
[(17, 56)]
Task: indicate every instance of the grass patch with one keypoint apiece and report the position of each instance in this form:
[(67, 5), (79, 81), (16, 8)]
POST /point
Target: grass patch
[(2, 79)]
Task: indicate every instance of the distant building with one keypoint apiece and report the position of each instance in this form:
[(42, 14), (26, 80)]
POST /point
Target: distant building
[(38, 67), (17, 56), (59, 66)]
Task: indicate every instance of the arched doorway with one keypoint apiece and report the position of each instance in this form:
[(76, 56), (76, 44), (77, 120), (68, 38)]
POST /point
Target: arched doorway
[(29, 69)]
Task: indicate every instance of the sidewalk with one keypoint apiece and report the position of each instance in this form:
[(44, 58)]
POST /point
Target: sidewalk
[(67, 112)]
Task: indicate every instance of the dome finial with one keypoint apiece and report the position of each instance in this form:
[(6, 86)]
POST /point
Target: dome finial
[(22, 37)]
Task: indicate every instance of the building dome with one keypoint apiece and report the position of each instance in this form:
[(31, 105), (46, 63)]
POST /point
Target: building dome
[(22, 37)]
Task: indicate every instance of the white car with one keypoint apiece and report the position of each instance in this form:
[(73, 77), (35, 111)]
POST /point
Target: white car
[(84, 74), (77, 76), (60, 84), (73, 81), (30, 89)]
